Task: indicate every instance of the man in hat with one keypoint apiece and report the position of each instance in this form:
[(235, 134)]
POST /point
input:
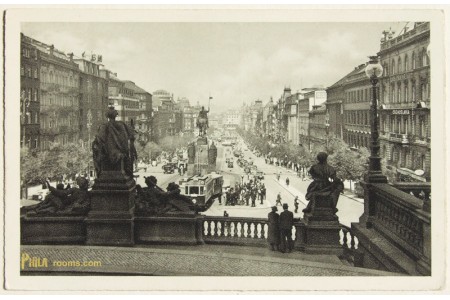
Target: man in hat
[(286, 223), (273, 234)]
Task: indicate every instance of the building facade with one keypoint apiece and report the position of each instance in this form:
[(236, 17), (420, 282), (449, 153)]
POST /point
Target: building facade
[(310, 98), (93, 89), (318, 131), (29, 94), (357, 88), (405, 101), (59, 96)]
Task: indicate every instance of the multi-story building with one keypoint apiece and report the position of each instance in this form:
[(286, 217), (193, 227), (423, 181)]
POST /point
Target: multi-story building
[(59, 96), (144, 126), (357, 89), (335, 109), (310, 97), (405, 125), (122, 96), (30, 93), (167, 118), (93, 98), (232, 119), (291, 110), (318, 131)]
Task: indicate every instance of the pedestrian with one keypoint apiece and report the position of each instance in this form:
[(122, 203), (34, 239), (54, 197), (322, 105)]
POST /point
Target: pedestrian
[(296, 203), (247, 198), (278, 200), (286, 223), (287, 181), (273, 234), (225, 214), (253, 199), (278, 176)]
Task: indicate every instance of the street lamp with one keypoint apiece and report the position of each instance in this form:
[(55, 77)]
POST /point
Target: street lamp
[(374, 70)]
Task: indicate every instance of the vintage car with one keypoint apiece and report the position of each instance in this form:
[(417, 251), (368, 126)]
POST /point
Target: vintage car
[(260, 175), (169, 168)]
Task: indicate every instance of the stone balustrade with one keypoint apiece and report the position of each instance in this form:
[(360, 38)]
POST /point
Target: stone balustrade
[(420, 190), (401, 223), (350, 244)]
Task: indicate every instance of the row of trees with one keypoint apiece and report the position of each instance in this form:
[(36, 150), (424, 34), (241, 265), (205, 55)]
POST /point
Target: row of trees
[(350, 164), (169, 144)]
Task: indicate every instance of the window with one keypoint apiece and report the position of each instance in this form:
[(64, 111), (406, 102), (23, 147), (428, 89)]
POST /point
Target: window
[(406, 63), (413, 91), (406, 92), (35, 73), (393, 92), (399, 124), (28, 72), (393, 67), (399, 65), (424, 58), (422, 126), (22, 70), (36, 119), (413, 58), (35, 95), (386, 69), (399, 93)]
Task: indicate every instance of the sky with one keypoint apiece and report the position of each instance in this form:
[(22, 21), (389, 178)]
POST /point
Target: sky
[(231, 62)]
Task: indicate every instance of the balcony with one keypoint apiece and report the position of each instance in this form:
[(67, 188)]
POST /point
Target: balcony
[(421, 141)]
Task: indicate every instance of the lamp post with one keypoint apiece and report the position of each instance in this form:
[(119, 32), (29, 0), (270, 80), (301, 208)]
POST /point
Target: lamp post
[(374, 70)]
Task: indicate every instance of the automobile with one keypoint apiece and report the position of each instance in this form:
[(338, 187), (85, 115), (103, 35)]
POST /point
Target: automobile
[(169, 168), (260, 175), (230, 164)]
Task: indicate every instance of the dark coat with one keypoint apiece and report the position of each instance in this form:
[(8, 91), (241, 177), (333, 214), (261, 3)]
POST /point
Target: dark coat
[(286, 220), (273, 234)]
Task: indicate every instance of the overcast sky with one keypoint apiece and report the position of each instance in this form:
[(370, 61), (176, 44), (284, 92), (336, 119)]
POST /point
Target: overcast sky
[(233, 62)]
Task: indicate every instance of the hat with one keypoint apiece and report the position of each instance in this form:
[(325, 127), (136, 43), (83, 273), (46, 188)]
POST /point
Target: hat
[(274, 208), (151, 180), (285, 205)]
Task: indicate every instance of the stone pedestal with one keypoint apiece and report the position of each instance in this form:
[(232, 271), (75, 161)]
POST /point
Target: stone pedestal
[(52, 230), (319, 233), (176, 228), (110, 221), (201, 157)]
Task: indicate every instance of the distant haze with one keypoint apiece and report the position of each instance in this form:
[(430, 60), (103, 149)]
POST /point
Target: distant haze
[(232, 62)]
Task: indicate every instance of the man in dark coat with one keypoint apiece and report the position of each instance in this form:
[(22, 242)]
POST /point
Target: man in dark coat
[(273, 234), (286, 223)]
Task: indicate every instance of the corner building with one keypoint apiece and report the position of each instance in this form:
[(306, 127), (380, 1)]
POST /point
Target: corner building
[(405, 129)]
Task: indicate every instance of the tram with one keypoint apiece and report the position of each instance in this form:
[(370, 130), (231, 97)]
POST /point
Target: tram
[(203, 190)]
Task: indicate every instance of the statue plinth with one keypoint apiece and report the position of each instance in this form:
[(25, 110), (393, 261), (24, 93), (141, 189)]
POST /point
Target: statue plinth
[(202, 159), (110, 221), (319, 232)]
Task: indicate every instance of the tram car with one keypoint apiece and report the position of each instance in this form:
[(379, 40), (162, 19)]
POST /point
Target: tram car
[(203, 190)]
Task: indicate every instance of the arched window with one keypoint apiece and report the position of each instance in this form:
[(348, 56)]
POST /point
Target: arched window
[(393, 67), (399, 65), (424, 58), (413, 58), (413, 91), (399, 93), (386, 69), (406, 63)]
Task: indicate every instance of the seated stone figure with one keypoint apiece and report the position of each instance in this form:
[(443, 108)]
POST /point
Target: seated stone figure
[(63, 200), (325, 189), (153, 200)]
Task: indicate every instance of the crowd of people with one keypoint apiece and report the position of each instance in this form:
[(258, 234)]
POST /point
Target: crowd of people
[(246, 193)]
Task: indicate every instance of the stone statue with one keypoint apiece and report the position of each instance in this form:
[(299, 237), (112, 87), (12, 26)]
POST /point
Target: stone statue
[(325, 188), (113, 144), (202, 121), (153, 200), (63, 201)]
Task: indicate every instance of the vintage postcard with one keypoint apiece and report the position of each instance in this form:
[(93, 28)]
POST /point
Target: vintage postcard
[(224, 149)]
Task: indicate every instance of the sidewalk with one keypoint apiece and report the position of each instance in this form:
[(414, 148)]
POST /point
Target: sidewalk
[(201, 260)]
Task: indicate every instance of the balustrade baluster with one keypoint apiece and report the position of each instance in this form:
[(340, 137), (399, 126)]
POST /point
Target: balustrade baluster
[(232, 229), (222, 229), (263, 231), (352, 242), (206, 227), (215, 228), (344, 239)]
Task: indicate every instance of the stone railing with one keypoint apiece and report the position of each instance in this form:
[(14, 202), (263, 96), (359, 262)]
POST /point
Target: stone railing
[(235, 231), (420, 190), (350, 244), (400, 217)]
